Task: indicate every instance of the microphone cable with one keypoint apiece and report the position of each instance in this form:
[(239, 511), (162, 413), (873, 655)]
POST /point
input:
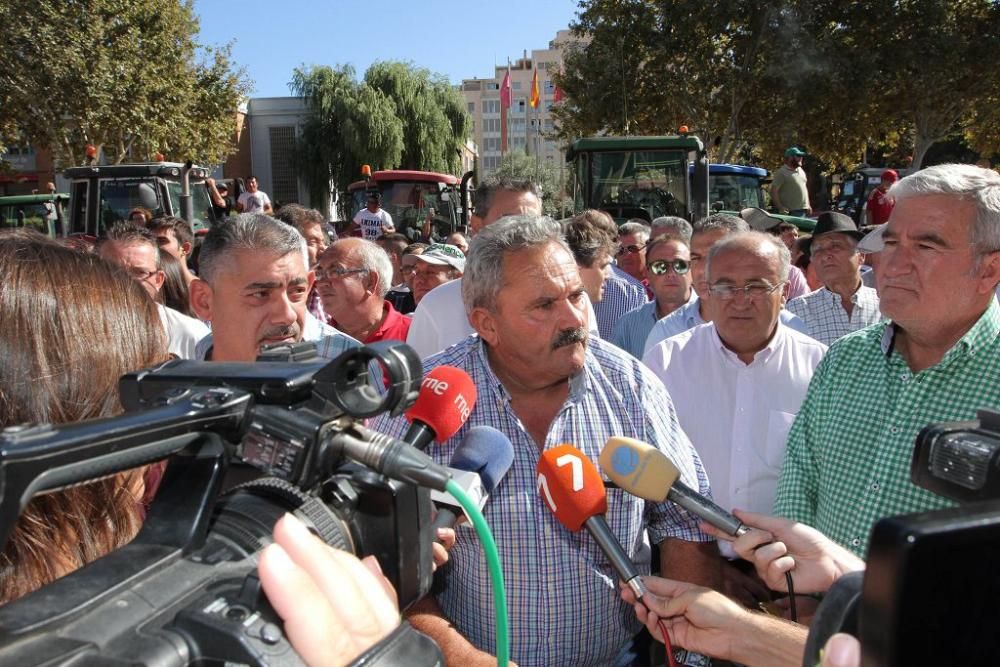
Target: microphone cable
[(493, 562)]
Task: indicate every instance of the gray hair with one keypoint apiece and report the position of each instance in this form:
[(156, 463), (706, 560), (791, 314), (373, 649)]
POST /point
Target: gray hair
[(752, 242), (483, 277), (247, 231), (674, 226), (127, 233), (375, 260), (488, 189), (724, 221), (640, 229), (965, 182)]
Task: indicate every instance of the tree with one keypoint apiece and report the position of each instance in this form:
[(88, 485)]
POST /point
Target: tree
[(128, 77), (398, 117), (553, 181)]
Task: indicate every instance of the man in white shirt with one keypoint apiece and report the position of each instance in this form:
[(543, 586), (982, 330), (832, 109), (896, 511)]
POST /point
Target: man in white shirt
[(843, 304), (738, 381), (254, 200), (373, 220), (135, 249)]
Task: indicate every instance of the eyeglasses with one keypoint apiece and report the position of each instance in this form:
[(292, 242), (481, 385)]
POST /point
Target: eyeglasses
[(327, 274), (140, 274), (629, 249), (752, 292), (660, 266)]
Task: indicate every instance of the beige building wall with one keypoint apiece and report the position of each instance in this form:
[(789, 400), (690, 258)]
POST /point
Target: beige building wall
[(526, 126)]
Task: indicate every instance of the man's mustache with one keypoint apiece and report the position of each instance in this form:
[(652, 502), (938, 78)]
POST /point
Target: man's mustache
[(290, 331), (570, 337)]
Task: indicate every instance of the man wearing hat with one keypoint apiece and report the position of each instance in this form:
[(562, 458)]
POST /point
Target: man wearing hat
[(880, 202), (373, 220), (436, 265), (843, 304), (789, 193)]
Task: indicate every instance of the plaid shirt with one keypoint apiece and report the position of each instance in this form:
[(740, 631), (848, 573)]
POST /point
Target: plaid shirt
[(825, 317), (622, 293), (564, 603), (632, 330), (848, 459), (329, 342)]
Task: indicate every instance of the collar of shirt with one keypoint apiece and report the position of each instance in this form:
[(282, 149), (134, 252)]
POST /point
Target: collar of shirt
[(864, 295), (983, 333), (578, 384), (761, 356)]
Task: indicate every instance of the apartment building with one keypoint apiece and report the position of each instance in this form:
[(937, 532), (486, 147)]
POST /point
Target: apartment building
[(527, 127)]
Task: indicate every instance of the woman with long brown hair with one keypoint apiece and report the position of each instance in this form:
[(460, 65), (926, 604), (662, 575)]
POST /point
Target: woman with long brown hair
[(70, 325)]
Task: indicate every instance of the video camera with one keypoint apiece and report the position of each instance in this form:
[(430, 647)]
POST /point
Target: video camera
[(930, 594), (185, 590)]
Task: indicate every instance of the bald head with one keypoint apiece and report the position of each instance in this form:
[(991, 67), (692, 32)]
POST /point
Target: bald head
[(757, 244)]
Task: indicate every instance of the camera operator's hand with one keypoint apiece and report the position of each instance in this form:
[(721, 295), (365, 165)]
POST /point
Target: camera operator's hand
[(842, 650), (708, 622), (816, 561), (334, 606), (440, 550)]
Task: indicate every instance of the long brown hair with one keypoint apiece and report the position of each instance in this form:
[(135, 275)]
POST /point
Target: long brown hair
[(70, 325)]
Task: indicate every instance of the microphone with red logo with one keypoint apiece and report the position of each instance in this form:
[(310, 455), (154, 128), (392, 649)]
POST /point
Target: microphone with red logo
[(571, 486), (443, 405)]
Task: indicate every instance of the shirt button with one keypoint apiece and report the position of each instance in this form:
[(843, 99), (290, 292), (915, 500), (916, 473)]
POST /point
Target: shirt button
[(893, 430), (904, 378), (856, 542), (875, 486)]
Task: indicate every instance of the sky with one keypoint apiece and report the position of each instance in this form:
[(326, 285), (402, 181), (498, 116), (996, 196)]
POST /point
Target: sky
[(461, 40)]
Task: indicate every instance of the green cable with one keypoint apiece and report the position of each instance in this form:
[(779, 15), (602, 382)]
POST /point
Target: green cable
[(493, 561)]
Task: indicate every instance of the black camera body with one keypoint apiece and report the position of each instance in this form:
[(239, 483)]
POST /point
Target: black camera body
[(185, 590)]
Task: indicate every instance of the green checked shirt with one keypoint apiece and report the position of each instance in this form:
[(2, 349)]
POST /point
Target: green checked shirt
[(847, 464)]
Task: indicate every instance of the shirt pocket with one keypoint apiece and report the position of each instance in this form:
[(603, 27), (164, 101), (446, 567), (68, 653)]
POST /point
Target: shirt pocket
[(778, 425)]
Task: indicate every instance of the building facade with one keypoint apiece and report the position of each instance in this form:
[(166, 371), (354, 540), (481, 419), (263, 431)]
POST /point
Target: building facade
[(527, 127)]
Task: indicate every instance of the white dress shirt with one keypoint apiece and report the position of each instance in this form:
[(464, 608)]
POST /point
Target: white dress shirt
[(440, 320), (737, 415)]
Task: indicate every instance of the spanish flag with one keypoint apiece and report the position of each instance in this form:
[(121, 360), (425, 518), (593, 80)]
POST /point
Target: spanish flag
[(536, 96)]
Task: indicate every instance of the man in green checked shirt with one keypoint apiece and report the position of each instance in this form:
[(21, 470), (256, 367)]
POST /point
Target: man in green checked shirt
[(938, 359)]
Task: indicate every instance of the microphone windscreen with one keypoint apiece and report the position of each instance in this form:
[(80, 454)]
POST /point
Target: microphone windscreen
[(485, 451), (571, 486), (638, 467), (445, 401)]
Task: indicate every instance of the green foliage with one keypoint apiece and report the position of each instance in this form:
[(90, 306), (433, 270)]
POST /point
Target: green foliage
[(398, 117), (752, 77), (126, 76), (553, 181)]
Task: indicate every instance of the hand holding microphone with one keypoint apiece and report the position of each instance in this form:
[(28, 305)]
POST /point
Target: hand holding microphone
[(572, 488), (778, 546)]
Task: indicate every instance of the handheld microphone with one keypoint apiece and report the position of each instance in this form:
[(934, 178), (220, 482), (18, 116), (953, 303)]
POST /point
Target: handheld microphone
[(572, 488), (443, 405), (478, 464), (646, 472)]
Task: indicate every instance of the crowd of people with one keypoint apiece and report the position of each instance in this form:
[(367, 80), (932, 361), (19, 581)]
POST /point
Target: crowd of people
[(793, 395)]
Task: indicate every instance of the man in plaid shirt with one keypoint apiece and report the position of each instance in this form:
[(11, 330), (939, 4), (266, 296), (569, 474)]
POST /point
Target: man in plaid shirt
[(543, 381), (848, 458)]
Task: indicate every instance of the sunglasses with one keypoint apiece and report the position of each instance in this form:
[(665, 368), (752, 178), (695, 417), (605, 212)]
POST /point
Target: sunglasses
[(629, 249), (660, 266)]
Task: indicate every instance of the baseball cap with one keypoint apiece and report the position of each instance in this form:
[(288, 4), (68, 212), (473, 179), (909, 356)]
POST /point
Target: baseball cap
[(443, 254), (890, 175), (794, 151)]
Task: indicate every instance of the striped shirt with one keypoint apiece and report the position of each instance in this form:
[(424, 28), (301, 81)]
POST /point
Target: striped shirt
[(825, 317), (847, 464), (330, 343), (688, 316), (622, 293), (565, 607)]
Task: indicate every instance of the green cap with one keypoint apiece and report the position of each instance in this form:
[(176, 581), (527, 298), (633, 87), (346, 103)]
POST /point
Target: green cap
[(794, 151)]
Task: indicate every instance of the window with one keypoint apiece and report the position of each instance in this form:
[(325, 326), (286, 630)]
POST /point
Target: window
[(491, 106), (473, 127), (516, 85), (284, 182), (492, 85), (517, 125), (491, 125), (550, 87), (491, 145), (491, 163), (549, 125), (472, 107)]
